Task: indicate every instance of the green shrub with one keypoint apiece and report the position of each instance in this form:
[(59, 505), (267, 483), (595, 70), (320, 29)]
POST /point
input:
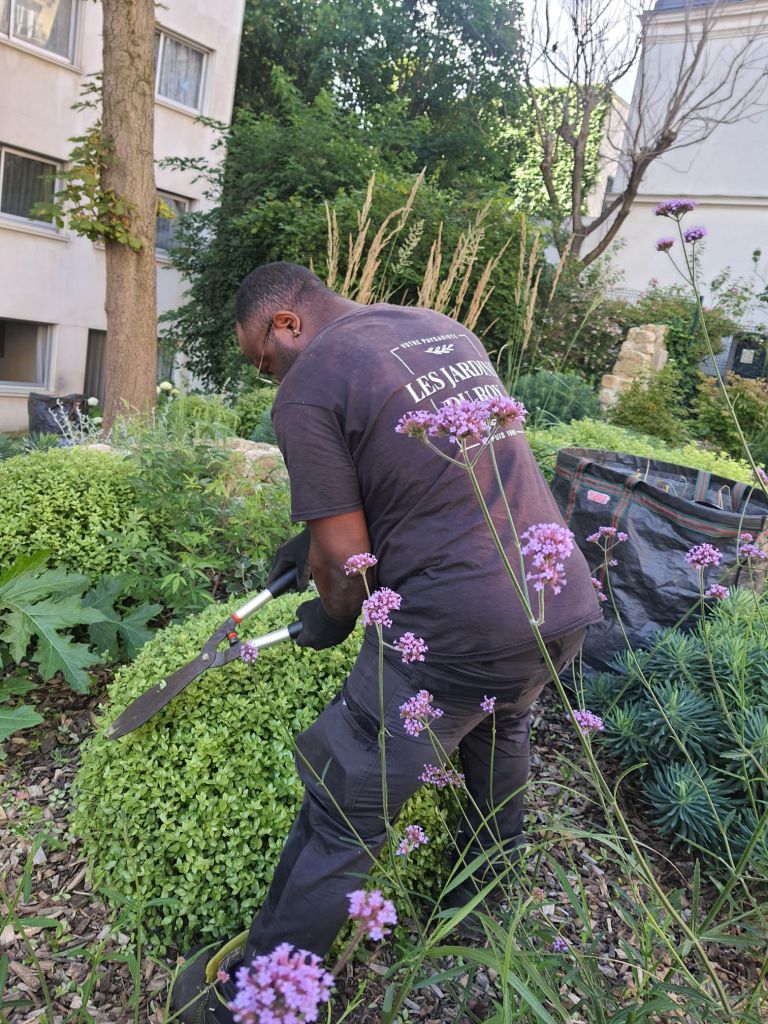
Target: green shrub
[(750, 401), (198, 801), (251, 408), (596, 434), (555, 397), (690, 713), (162, 516), (72, 503), (207, 415), (9, 446), (653, 405)]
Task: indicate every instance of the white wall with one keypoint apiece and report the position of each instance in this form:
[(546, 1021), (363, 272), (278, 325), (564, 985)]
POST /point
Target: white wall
[(58, 278), (724, 172)]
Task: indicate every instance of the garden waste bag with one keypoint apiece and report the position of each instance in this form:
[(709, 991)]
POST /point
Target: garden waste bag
[(665, 510)]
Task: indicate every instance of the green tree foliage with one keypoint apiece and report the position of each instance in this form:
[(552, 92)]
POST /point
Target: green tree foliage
[(437, 76), (270, 203), (553, 107)]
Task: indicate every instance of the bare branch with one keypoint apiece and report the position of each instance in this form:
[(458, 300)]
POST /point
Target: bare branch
[(699, 66)]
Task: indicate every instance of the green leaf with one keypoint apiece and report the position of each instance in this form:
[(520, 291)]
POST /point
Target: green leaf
[(15, 686), (41, 604), (23, 564), (55, 651), (131, 627), (14, 719)]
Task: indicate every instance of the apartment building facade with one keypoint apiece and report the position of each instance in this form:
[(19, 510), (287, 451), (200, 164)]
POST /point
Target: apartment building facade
[(724, 171), (52, 282)]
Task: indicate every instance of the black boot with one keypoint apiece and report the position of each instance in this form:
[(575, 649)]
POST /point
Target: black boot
[(198, 996)]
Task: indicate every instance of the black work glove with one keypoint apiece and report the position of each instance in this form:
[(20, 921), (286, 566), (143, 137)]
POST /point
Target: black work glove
[(320, 630), (294, 554)]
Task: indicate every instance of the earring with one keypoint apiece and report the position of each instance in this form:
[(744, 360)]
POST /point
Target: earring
[(296, 333)]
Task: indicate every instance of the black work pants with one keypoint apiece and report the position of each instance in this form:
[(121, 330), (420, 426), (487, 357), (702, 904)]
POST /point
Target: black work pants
[(339, 763)]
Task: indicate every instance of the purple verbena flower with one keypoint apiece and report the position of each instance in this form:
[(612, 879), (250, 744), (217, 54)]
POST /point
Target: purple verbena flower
[(746, 538), (752, 551), (716, 591), (694, 234), (702, 555), (548, 544), (586, 721), (488, 704), (664, 244), (415, 836), (249, 652), (675, 208), (417, 712), (464, 420), (222, 976), (377, 607), (598, 588), (415, 424), (371, 910), (607, 531), (505, 410), (560, 945), (435, 775), (762, 476), (412, 648), (360, 563), (287, 986)]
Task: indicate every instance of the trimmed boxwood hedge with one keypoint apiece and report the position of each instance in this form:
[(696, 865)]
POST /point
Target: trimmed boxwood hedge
[(66, 501), (196, 804)]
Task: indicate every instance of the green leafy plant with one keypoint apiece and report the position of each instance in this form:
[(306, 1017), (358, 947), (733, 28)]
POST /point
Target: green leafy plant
[(208, 787), (38, 606), (590, 433), (251, 407), (653, 404), (691, 713), (553, 397), (689, 804), (72, 502), (750, 401), (19, 716)]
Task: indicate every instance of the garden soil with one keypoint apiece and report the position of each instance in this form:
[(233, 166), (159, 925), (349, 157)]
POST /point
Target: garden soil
[(35, 783)]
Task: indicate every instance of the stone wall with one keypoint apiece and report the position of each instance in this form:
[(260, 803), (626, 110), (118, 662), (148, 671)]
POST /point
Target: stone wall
[(644, 351)]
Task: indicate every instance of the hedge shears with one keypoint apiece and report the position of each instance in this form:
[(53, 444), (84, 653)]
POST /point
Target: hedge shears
[(155, 699)]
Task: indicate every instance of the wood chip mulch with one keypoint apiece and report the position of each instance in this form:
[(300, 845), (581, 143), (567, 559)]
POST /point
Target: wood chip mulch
[(35, 782)]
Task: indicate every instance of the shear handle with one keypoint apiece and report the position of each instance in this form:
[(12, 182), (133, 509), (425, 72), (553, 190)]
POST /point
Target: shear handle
[(288, 581), (289, 632)]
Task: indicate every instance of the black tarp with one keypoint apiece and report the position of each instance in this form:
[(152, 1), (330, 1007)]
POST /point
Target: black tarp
[(46, 411), (665, 510)]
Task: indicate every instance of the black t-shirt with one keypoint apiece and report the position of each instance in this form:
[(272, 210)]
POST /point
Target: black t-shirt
[(335, 416)]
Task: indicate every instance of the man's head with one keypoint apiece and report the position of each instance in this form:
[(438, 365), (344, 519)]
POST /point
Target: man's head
[(279, 308)]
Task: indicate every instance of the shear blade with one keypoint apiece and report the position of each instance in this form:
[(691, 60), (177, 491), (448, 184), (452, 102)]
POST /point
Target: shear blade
[(154, 700)]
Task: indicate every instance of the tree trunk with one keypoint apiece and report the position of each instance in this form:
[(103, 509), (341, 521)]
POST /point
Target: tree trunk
[(128, 134)]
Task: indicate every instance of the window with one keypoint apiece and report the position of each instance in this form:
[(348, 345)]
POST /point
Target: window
[(25, 351), (94, 365), (166, 226), (179, 71), (48, 24), (24, 181)]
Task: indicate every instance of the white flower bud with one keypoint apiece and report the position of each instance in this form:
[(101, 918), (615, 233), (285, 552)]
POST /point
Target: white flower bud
[(92, 401), (166, 385)]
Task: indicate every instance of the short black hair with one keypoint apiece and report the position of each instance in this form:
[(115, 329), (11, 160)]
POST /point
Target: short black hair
[(272, 287)]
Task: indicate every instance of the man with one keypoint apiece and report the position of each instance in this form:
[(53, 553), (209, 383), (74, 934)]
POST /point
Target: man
[(347, 374)]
